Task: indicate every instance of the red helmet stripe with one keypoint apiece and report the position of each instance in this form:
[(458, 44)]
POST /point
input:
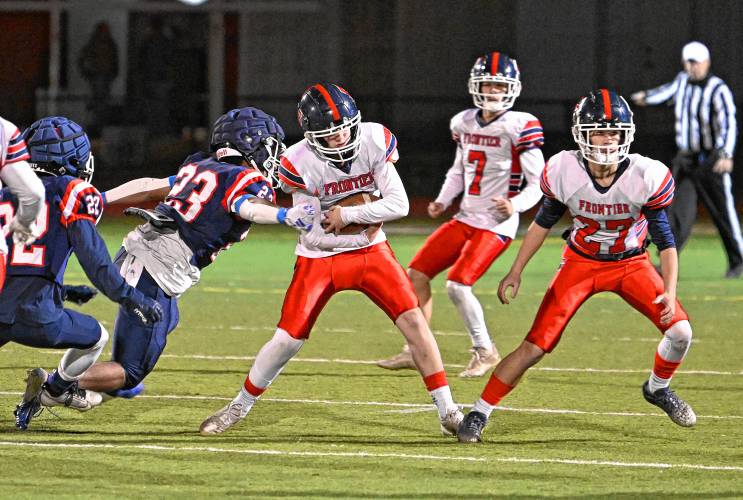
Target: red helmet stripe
[(607, 103), (494, 58), (329, 100)]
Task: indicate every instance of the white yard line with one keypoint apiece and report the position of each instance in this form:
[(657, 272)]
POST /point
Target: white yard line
[(412, 407), (367, 455)]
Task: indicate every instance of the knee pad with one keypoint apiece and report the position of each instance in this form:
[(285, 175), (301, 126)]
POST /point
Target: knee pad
[(679, 334), (103, 340)]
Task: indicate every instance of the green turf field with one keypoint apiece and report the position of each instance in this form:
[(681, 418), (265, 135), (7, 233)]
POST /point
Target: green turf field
[(335, 426)]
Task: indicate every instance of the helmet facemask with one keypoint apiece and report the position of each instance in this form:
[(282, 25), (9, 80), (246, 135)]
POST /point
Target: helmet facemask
[(490, 101), (609, 154), (340, 154), (266, 159)]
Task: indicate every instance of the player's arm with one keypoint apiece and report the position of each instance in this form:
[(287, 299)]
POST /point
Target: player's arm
[(662, 236), (28, 188), (658, 95), (451, 188), (139, 191), (528, 147), (549, 213)]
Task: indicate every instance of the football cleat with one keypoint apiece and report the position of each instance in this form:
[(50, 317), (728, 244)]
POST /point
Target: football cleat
[(677, 409), (30, 406), (470, 430), (223, 419), (74, 397), (483, 359), (402, 361), (450, 422)]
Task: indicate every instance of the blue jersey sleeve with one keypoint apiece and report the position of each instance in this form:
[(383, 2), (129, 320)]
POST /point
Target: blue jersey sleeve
[(95, 261), (659, 228), (247, 184), (81, 201), (550, 212)]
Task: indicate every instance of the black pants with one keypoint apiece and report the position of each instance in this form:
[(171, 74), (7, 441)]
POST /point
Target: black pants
[(696, 181)]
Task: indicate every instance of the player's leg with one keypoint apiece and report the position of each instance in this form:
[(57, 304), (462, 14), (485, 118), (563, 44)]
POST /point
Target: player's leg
[(307, 295), (385, 283), (439, 252), (639, 288), (572, 285), (476, 257), (136, 347), (84, 339)]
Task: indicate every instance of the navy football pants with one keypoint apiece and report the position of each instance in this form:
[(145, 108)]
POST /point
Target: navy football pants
[(71, 330)]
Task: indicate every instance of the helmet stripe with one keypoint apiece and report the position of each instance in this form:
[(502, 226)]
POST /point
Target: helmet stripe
[(329, 100), (494, 59), (607, 103)]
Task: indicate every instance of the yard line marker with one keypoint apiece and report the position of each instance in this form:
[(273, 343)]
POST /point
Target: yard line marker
[(364, 454), (414, 407)]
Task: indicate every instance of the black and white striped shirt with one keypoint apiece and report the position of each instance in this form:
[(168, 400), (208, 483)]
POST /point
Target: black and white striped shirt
[(705, 112)]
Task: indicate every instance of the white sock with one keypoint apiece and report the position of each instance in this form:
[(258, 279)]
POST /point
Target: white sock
[(246, 399), (483, 407), (471, 312), (75, 362), (443, 400), (273, 357), (655, 382)]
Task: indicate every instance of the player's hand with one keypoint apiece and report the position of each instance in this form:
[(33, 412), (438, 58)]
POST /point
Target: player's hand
[(78, 294), (300, 217), (639, 98), (723, 166), (435, 209), (333, 221), (147, 310), (23, 235), (502, 208), (512, 280), (669, 307)]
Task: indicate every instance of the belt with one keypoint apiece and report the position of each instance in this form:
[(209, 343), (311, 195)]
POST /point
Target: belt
[(609, 257)]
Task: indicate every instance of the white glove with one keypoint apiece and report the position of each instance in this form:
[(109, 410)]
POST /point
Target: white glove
[(23, 235), (299, 217)]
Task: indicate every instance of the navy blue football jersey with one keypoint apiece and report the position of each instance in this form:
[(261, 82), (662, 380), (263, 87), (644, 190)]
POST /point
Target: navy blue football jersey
[(201, 201), (35, 273)]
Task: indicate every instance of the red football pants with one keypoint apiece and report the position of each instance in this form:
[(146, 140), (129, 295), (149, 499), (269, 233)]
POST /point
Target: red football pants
[(633, 279), (469, 252), (372, 270)]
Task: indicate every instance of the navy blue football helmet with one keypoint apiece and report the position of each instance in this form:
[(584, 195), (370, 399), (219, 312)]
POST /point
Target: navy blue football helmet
[(495, 67), (252, 135), (603, 109), (326, 109), (59, 146)]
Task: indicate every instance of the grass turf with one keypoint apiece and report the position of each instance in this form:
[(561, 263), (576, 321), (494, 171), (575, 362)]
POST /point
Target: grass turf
[(335, 426)]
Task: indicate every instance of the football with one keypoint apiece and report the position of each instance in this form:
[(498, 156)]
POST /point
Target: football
[(352, 201)]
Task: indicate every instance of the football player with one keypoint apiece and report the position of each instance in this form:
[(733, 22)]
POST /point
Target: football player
[(31, 308), (497, 149), (23, 184), (209, 205), (615, 198), (339, 156)]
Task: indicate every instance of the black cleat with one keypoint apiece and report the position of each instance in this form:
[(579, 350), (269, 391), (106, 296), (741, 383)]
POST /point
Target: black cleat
[(470, 430), (677, 409)]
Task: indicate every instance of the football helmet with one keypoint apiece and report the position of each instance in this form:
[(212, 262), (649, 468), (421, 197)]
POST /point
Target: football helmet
[(325, 110), (59, 146), (495, 67), (603, 109), (252, 135)]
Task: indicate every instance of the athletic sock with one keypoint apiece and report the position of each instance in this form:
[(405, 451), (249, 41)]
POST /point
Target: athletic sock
[(671, 352), (440, 392), (56, 385), (494, 391), (246, 399), (663, 371), (470, 310)]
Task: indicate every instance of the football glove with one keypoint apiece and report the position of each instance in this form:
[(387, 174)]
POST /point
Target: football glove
[(23, 235), (147, 310), (299, 217), (78, 294)]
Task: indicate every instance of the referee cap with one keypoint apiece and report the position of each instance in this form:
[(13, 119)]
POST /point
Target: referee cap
[(695, 51)]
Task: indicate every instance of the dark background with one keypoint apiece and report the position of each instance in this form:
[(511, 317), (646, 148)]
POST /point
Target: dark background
[(406, 62)]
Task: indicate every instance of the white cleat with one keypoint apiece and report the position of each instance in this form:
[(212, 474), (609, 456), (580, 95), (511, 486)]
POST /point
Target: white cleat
[(402, 361), (223, 419), (74, 397), (450, 422), (483, 359), (35, 379)]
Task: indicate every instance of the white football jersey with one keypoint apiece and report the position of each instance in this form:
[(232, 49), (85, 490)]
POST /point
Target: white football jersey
[(303, 173), (493, 160), (609, 222), (12, 145)]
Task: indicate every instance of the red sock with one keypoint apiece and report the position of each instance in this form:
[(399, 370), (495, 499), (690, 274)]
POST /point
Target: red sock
[(251, 389), (495, 390), (435, 380), (664, 369)]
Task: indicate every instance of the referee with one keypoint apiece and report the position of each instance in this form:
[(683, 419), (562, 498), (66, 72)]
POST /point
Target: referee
[(705, 135)]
